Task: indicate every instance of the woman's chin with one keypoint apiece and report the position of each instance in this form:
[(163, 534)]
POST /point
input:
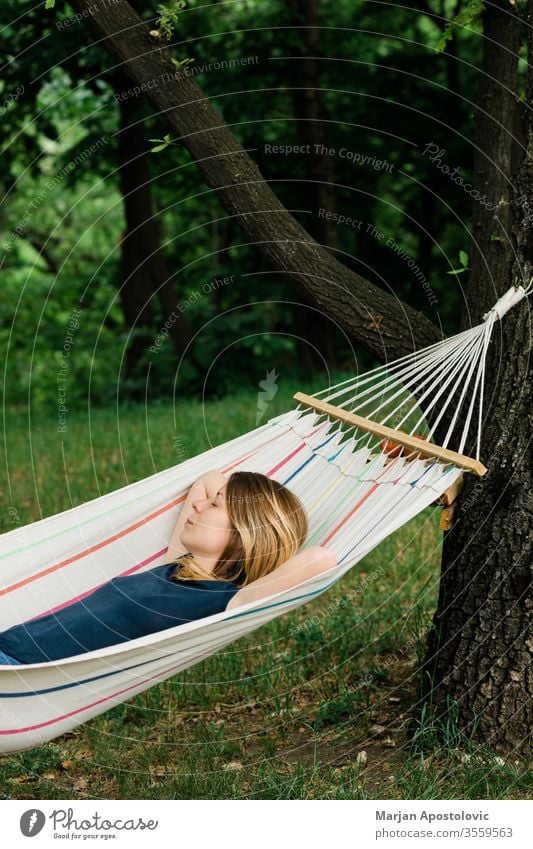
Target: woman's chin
[(184, 536)]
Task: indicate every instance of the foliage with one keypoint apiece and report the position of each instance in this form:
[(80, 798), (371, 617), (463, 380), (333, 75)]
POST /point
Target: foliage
[(168, 17), (385, 99), (463, 260), (469, 17)]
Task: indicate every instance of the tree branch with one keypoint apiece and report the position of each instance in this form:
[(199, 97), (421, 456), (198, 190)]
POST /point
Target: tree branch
[(383, 324)]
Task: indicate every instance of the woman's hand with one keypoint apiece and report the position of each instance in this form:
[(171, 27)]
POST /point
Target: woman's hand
[(206, 486), (212, 481)]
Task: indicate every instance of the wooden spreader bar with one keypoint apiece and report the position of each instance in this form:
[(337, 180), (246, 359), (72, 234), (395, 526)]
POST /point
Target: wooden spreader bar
[(427, 449)]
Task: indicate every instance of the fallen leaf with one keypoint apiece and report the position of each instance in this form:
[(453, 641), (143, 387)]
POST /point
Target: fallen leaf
[(158, 770)]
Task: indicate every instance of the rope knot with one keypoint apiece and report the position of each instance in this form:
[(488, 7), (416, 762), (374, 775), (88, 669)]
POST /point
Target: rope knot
[(513, 296)]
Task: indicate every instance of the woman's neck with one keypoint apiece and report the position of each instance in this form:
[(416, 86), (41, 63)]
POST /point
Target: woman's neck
[(206, 564)]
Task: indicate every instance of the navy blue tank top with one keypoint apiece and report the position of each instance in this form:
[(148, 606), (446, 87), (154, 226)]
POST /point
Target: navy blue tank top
[(120, 610)]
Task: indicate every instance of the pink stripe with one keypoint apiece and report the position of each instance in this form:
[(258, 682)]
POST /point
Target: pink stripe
[(320, 427), (292, 454), (99, 702)]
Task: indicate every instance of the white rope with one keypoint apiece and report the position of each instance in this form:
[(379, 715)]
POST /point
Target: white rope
[(455, 363), (469, 356), (437, 373), (482, 389), (508, 300)]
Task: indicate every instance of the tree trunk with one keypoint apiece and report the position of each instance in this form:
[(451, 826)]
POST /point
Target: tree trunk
[(311, 121), (384, 325), (493, 152), (312, 129), (479, 654), (144, 273)]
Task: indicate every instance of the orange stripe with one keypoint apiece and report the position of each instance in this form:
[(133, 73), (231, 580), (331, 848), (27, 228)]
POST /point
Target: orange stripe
[(352, 511), (95, 547), (362, 501)]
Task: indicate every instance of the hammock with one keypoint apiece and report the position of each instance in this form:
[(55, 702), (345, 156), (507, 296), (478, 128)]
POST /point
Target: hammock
[(356, 491)]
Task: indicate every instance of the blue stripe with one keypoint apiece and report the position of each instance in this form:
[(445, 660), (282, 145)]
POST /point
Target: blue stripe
[(309, 459), (76, 683), (378, 522)]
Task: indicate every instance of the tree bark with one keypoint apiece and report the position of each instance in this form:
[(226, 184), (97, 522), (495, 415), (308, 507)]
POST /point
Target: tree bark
[(479, 654), (312, 130), (493, 152), (384, 325), (311, 118), (144, 272), (135, 289)]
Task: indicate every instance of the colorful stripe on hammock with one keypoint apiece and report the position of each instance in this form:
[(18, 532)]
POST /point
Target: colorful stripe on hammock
[(114, 537)]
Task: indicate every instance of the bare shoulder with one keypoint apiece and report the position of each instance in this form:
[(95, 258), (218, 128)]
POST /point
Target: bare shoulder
[(320, 553), (306, 564)]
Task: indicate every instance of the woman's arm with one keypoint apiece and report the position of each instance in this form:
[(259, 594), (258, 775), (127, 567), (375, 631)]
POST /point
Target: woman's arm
[(306, 564), (206, 486)]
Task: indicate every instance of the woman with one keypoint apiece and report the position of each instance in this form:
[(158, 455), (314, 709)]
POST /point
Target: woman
[(235, 541)]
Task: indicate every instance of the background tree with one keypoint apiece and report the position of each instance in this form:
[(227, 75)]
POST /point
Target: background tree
[(248, 56), (117, 123)]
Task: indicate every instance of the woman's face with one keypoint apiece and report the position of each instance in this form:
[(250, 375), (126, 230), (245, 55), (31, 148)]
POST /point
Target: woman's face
[(207, 529)]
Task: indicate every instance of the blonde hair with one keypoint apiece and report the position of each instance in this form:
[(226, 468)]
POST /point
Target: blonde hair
[(268, 525)]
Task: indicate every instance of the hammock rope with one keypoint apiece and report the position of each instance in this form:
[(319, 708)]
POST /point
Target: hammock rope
[(356, 492)]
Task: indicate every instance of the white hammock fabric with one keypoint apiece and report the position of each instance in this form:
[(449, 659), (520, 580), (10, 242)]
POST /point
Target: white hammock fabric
[(355, 496)]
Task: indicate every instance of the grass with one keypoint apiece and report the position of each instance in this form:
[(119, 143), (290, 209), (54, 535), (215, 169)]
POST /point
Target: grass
[(315, 704)]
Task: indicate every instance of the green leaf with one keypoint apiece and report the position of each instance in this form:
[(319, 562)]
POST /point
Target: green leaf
[(162, 143), (470, 17), (463, 258), (182, 62), (49, 4)]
